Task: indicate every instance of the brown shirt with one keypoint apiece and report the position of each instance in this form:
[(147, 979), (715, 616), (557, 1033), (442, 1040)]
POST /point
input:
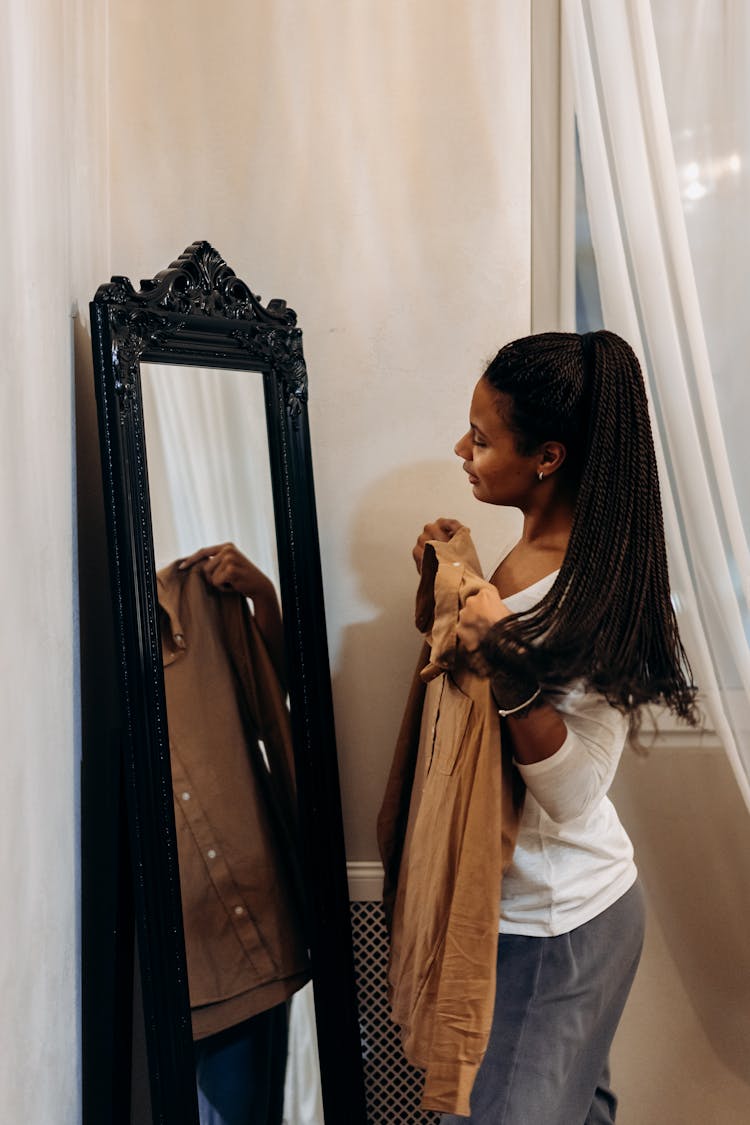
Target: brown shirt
[(446, 830), (232, 774)]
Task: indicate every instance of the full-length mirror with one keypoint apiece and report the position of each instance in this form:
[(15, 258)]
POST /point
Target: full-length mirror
[(235, 820)]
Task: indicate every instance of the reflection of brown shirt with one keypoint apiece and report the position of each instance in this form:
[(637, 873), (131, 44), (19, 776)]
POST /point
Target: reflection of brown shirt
[(234, 813), (446, 830)]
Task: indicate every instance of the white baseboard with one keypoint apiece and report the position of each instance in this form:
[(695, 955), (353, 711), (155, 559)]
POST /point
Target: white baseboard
[(365, 881)]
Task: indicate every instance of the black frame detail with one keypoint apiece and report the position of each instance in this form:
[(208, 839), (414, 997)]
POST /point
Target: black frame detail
[(199, 313)]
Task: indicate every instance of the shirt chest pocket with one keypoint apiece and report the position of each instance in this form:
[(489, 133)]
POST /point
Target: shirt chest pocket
[(451, 727)]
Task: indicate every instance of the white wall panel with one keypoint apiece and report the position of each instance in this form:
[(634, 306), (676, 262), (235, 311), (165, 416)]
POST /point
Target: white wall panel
[(369, 162)]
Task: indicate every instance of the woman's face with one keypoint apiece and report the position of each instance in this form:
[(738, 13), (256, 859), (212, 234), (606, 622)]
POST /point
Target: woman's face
[(498, 473)]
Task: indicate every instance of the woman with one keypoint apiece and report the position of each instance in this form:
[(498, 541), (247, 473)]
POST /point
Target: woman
[(578, 632)]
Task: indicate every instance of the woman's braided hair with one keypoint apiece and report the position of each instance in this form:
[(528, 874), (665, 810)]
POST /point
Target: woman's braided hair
[(608, 617)]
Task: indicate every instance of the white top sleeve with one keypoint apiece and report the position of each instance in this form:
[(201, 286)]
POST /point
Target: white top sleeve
[(573, 858), (575, 779)]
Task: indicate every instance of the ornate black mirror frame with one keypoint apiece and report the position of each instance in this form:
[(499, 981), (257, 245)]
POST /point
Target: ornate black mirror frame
[(197, 312)]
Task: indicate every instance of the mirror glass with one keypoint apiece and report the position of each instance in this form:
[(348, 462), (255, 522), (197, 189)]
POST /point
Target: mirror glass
[(230, 747)]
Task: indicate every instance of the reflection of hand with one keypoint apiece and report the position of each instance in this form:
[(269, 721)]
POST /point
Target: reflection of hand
[(480, 612), (441, 529), (225, 568)]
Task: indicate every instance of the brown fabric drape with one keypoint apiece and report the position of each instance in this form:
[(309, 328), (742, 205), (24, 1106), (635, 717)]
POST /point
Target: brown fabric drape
[(446, 830)]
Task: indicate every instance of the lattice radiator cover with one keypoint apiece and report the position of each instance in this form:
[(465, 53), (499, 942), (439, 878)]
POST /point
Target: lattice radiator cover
[(393, 1088)]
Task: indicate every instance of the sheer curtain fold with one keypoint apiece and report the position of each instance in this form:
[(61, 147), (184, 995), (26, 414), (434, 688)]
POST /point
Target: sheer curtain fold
[(649, 295), (207, 446)]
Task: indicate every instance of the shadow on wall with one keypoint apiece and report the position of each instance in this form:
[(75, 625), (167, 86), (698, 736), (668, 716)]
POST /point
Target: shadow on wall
[(691, 832), (377, 657)]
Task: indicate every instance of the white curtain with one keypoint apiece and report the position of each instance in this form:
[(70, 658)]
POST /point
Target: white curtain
[(704, 56), (209, 473), (649, 295), (53, 207), (303, 1096)]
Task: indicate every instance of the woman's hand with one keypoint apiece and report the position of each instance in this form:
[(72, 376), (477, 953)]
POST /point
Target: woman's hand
[(480, 613), (225, 568), (441, 529)]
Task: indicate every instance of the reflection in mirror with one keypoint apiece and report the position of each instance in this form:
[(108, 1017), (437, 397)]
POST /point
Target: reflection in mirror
[(230, 744), (208, 462)]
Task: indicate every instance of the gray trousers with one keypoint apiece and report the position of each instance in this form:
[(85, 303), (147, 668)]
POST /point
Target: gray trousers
[(558, 1003)]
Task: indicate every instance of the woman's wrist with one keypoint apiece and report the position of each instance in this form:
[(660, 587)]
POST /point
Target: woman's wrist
[(518, 709), (513, 681), (513, 693)]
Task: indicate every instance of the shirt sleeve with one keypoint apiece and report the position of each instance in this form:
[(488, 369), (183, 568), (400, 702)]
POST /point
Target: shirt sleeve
[(574, 780)]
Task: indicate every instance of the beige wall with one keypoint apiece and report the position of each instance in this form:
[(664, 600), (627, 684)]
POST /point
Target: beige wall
[(369, 162), (681, 1050)]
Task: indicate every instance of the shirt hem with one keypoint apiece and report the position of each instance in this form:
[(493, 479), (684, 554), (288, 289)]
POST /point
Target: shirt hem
[(544, 929), (211, 1018)]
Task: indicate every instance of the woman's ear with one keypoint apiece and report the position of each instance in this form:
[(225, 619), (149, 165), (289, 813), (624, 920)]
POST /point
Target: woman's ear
[(552, 455)]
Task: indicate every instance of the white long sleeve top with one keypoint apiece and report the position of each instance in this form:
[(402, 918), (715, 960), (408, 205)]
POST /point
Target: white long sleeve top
[(573, 858)]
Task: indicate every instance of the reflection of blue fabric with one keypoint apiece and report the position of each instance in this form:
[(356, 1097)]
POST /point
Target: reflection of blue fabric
[(240, 1071)]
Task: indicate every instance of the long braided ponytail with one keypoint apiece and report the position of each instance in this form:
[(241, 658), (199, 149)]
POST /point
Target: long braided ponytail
[(608, 617)]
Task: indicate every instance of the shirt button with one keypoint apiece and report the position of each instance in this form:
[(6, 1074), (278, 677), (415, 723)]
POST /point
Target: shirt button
[(211, 853), (185, 796), (239, 910)]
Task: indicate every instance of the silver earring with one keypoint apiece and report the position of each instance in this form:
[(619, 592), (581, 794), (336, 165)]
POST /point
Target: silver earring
[(541, 475)]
